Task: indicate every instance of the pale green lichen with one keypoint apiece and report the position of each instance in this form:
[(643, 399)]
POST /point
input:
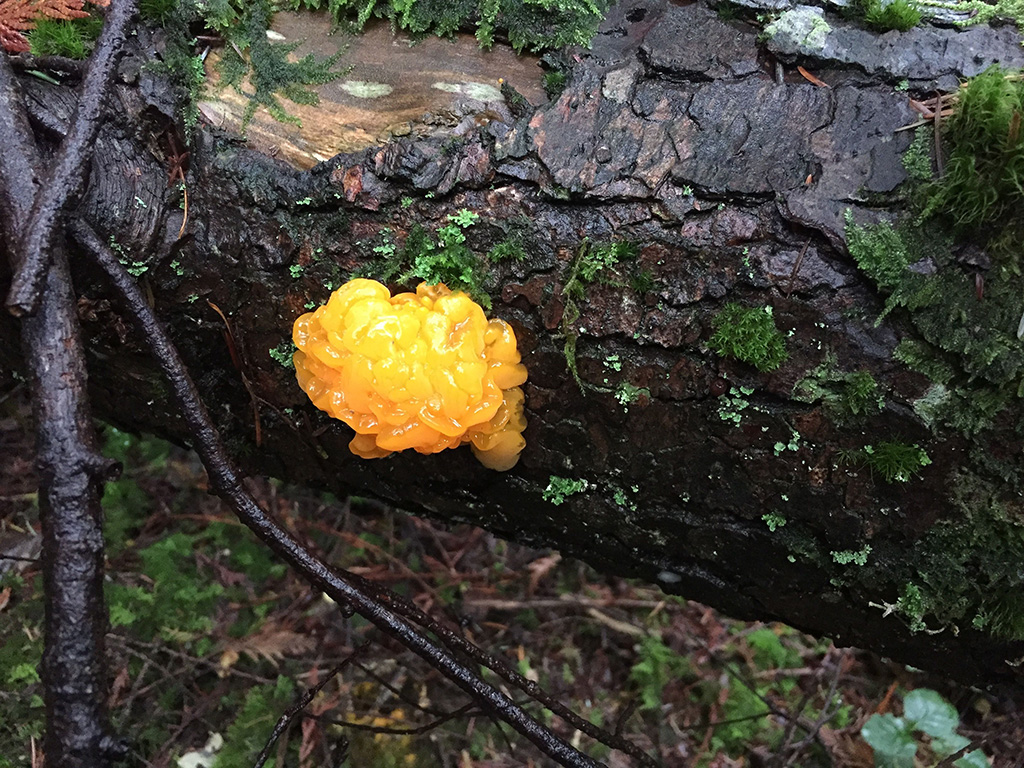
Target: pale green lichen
[(981, 11), (473, 90), (363, 89), (626, 394), (732, 405), (803, 27)]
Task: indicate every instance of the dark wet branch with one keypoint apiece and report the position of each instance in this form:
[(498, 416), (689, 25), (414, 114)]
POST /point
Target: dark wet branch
[(69, 170), (71, 473), (466, 710), (381, 608)]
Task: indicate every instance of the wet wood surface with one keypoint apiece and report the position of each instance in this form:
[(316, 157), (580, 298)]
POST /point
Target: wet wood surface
[(394, 87)]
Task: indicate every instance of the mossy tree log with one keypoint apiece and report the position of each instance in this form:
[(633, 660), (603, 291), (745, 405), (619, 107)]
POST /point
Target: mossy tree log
[(789, 489)]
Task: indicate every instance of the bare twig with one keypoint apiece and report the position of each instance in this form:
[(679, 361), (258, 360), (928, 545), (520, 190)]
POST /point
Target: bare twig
[(796, 267), (464, 711), (303, 702), (827, 711), (69, 170)]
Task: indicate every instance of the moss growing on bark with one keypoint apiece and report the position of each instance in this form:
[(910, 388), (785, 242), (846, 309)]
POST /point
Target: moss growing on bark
[(846, 396), (967, 346), (983, 183), (883, 17), (966, 571), (531, 26), (749, 334)]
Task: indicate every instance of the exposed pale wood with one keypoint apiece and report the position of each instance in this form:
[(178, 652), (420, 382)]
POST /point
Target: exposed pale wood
[(430, 83)]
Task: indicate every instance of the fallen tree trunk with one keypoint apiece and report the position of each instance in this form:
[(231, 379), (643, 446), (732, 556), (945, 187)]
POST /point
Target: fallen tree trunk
[(759, 492)]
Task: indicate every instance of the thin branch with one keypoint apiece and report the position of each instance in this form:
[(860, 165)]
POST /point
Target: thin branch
[(827, 712), (69, 170), (464, 710), (346, 589), (286, 719)]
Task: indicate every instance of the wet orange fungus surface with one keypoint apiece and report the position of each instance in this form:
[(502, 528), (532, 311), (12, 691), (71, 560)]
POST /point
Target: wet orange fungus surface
[(424, 370)]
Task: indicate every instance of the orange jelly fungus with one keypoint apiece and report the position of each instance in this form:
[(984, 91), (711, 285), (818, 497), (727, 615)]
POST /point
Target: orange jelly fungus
[(424, 370)]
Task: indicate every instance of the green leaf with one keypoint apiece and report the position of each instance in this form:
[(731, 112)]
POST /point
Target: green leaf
[(973, 759), (23, 674), (121, 616), (947, 745), (892, 741), (926, 710)]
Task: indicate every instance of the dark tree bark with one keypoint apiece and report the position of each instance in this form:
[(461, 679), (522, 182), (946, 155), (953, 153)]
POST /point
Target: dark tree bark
[(676, 133)]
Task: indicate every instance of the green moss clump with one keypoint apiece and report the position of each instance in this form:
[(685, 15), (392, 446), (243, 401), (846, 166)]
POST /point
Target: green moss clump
[(73, 38), (448, 260), (899, 14), (749, 334), (895, 462), (534, 26), (983, 183), (283, 353), (966, 346), (917, 160), (967, 569), (560, 487), (596, 261), (509, 249), (441, 257), (845, 395), (879, 250), (554, 83)]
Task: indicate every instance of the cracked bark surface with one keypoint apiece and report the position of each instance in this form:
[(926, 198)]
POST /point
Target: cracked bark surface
[(673, 132)]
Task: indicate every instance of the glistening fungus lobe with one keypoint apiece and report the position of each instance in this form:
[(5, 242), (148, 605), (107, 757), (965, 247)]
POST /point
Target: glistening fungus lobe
[(424, 370)]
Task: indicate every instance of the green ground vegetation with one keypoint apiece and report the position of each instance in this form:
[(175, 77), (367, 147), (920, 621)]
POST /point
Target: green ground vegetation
[(748, 334), (243, 637), (929, 724)]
